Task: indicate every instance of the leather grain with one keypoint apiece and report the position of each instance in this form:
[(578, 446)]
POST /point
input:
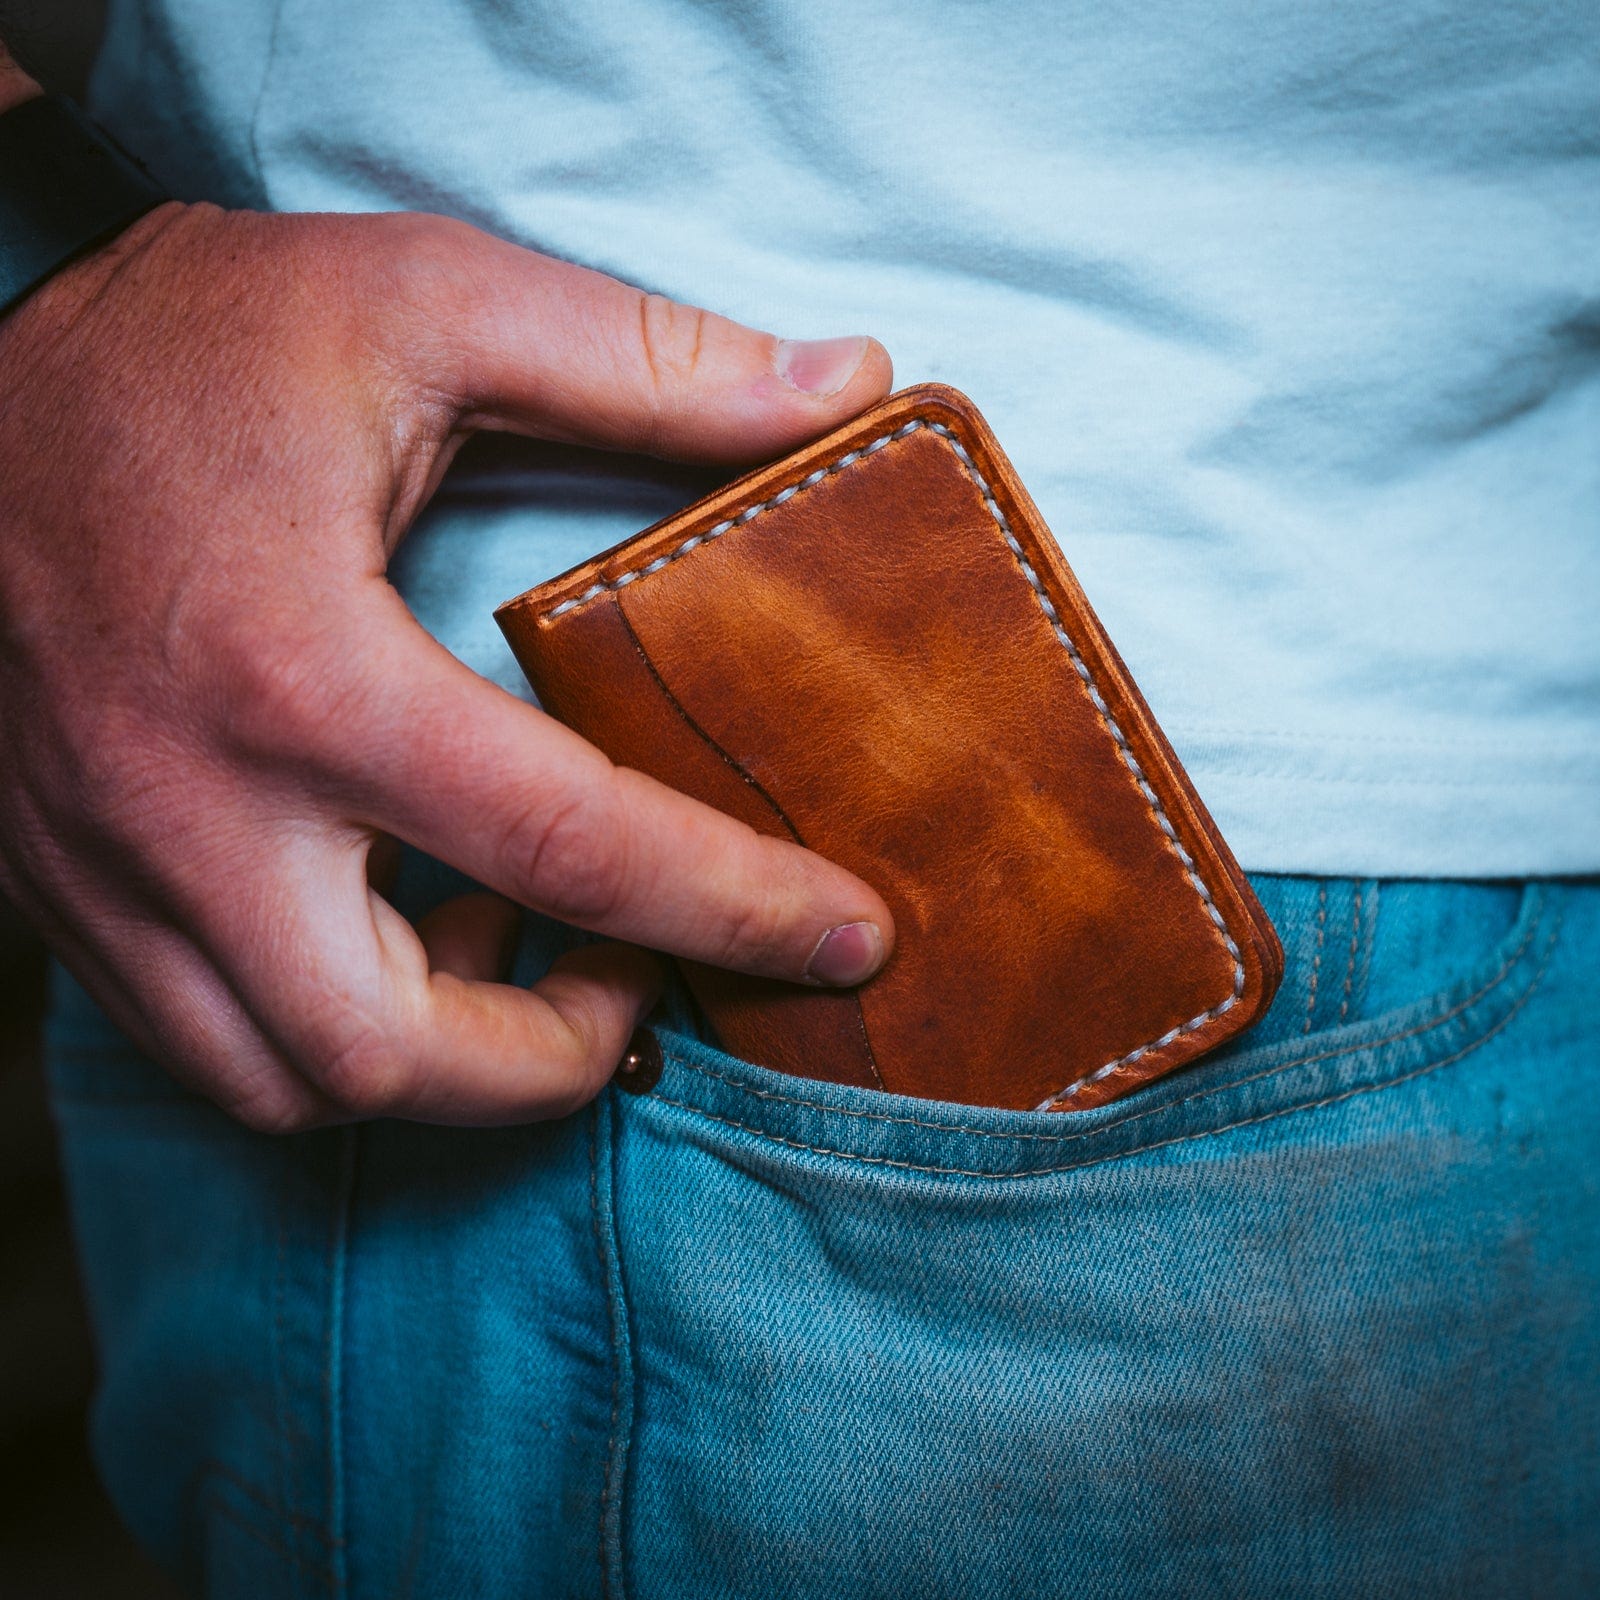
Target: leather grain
[(875, 648)]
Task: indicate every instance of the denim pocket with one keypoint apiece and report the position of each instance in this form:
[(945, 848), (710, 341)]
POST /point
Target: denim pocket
[(1186, 1343), (1319, 1045)]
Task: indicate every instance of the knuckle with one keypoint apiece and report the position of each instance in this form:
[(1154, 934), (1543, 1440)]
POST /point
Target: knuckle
[(281, 692), (673, 337), (278, 1114), (755, 937), (358, 1068), (571, 860), (424, 267), (128, 784), (575, 1066), (263, 1095), (402, 281)]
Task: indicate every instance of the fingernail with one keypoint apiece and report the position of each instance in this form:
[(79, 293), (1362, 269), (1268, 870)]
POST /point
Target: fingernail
[(820, 366), (847, 954)]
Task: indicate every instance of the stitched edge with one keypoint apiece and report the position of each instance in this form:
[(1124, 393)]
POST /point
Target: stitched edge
[(615, 1362), (1536, 922), (1158, 1144), (602, 1191), (340, 1228), (1316, 959), (1350, 963), (1080, 666), (279, 1357)]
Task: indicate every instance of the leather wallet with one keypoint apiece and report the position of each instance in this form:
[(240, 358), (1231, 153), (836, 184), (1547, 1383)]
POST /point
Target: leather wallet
[(874, 647)]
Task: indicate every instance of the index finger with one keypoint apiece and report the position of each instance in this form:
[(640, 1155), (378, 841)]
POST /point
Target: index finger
[(496, 788)]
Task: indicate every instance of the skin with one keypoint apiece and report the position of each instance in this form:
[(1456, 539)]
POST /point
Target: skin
[(217, 713)]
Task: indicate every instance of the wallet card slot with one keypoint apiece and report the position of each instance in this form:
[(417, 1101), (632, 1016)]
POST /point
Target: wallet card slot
[(706, 981)]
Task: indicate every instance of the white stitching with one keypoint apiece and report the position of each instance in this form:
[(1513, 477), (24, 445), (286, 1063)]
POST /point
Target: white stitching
[(1156, 1144), (1080, 666), (810, 481)]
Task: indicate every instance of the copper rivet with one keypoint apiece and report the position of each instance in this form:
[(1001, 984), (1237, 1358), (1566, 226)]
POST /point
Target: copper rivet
[(640, 1068)]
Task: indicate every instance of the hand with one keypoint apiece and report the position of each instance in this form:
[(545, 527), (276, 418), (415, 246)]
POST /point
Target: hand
[(213, 434)]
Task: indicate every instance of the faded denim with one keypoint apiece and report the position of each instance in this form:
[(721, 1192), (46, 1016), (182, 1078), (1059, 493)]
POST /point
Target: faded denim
[(1315, 1317)]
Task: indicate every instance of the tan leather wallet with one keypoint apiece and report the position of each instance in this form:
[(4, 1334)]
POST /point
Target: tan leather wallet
[(875, 648)]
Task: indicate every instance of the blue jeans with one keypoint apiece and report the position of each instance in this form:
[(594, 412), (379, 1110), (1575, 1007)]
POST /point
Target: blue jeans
[(1317, 1316)]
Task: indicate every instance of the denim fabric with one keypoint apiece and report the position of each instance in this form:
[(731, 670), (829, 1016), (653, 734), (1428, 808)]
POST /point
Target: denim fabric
[(1317, 1316)]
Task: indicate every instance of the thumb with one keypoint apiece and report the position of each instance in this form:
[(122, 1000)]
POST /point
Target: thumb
[(542, 347)]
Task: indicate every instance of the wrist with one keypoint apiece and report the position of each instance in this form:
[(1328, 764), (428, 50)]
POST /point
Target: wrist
[(66, 187)]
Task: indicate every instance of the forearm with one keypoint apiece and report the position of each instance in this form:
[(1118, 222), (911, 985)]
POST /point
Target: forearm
[(15, 84)]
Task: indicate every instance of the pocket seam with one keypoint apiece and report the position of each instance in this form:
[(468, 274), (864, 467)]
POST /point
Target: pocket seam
[(1069, 1135), (1355, 1048)]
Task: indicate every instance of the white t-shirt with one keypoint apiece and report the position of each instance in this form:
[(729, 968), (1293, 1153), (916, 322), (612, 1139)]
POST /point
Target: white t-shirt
[(1288, 314)]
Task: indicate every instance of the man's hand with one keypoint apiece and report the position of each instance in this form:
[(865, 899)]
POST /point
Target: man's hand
[(213, 433)]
